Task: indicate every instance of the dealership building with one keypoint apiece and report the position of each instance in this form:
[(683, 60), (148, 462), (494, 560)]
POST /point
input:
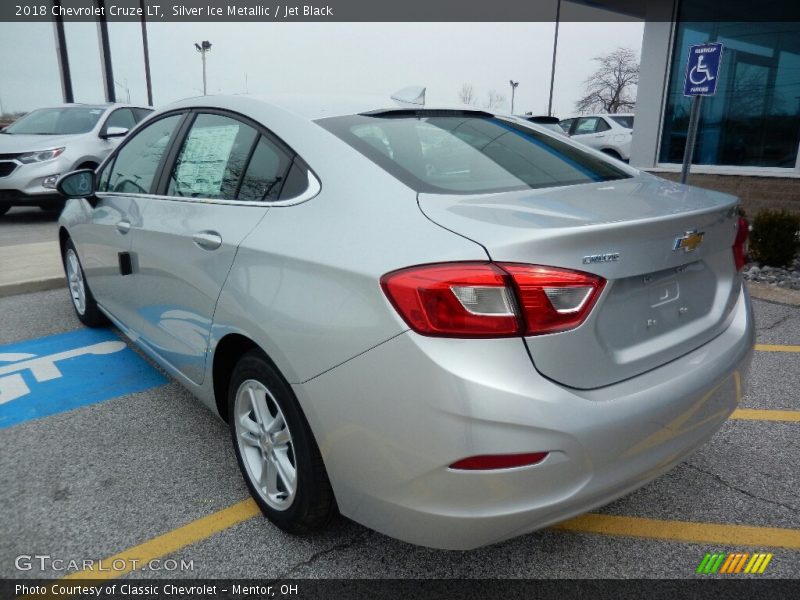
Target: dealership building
[(748, 140)]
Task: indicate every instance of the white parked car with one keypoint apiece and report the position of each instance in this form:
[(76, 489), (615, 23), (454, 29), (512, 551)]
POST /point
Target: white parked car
[(46, 143), (608, 133)]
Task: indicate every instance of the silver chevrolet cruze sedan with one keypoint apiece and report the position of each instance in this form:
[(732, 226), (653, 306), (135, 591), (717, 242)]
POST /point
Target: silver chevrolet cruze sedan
[(446, 324)]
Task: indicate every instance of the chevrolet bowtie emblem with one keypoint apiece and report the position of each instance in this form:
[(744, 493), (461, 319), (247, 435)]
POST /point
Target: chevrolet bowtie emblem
[(689, 241)]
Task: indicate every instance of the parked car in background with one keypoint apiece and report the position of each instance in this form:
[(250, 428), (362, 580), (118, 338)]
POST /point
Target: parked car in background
[(447, 324), (608, 133), (46, 143), (551, 123)]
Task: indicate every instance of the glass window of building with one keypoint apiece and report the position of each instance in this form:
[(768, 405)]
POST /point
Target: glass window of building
[(754, 119)]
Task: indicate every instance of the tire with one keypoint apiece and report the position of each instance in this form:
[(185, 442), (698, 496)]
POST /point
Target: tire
[(82, 299), (4, 210), (297, 504), (612, 153)]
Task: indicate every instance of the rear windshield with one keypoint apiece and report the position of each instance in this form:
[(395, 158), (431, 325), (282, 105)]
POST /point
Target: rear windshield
[(626, 122), (468, 153)]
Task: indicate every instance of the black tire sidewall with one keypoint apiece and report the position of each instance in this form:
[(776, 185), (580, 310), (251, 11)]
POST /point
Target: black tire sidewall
[(254, 365)]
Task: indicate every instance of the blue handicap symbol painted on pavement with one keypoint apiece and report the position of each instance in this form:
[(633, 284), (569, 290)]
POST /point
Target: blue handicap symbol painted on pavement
[(61, 372)]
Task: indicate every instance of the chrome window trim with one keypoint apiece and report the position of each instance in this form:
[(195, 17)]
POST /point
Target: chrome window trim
[(314, 187)]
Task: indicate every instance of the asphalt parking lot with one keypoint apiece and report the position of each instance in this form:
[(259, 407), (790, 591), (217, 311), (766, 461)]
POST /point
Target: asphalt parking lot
[(104, 456)]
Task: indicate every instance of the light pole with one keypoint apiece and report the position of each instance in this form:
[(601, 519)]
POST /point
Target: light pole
[(553, 67), (514, 85), (203, 47)]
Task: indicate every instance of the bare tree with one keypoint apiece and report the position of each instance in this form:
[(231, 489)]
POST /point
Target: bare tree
[(467, 94), (494, 100), (612, 88)]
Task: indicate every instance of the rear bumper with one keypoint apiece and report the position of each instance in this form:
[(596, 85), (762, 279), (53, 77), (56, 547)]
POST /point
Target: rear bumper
[(423, 403)]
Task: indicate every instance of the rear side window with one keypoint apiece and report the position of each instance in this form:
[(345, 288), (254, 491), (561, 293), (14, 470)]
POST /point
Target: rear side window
[(625, 121), (212, 158), (587, 125), (265, 173), (136, 163), (141, 113), (296, 181), (122, 117), (468, 153)]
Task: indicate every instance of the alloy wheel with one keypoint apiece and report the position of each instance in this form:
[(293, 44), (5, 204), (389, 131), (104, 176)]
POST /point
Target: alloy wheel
[(265, 444)]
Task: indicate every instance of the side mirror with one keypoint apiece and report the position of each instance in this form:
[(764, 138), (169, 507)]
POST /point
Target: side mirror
[(78, 184), (113, 132)]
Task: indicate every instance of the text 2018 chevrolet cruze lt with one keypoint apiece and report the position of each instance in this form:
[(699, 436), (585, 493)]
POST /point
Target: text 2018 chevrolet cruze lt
[(449, 325)]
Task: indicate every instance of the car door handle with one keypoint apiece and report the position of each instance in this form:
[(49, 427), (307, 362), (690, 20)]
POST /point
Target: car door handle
[(123, 226), (207, 240)]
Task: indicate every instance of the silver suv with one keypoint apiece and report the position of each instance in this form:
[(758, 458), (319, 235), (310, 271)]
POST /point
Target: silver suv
[(48, 142)]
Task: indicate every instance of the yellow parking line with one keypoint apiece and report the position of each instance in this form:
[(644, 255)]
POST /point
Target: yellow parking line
[(753, 414), (171, 541), (678, 531), (776, 348), (684, 531)]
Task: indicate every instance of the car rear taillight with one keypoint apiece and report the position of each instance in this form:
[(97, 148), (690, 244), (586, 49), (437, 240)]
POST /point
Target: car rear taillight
[(554, 300), (740, 244), (491, 299)]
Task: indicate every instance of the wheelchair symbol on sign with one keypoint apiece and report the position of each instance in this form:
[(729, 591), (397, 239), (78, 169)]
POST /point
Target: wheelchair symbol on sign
[(43, 368), (702, 69)]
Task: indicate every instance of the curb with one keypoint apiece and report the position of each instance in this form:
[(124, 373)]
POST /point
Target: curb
[(771, 293), (32, 285)]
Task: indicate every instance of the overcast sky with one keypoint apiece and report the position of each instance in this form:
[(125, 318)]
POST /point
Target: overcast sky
[(314, 57)]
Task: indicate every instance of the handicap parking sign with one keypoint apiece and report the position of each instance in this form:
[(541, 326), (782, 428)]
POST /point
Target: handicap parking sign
[(702, 70)]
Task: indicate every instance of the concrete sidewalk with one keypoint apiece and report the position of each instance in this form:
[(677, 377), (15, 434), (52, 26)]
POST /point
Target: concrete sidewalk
[(30, 268)]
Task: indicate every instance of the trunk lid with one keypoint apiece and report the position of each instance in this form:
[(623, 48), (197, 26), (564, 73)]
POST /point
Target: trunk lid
[(659, 302)]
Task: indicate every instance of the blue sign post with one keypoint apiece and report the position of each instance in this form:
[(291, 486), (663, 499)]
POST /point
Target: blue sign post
[(702, 76)]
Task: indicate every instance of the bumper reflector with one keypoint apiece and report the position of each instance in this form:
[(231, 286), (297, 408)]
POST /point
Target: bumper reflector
[(488, 462)]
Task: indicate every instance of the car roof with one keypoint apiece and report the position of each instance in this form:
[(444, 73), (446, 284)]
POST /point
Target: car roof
[(319, 106)]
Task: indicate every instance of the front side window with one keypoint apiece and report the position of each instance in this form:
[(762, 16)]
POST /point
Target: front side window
[(135, 165), (57, 121), (212, 159), (468, 153)]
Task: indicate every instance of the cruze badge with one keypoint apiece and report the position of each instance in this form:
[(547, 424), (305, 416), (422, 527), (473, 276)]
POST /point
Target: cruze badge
[(601, 258), (689, 241)]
